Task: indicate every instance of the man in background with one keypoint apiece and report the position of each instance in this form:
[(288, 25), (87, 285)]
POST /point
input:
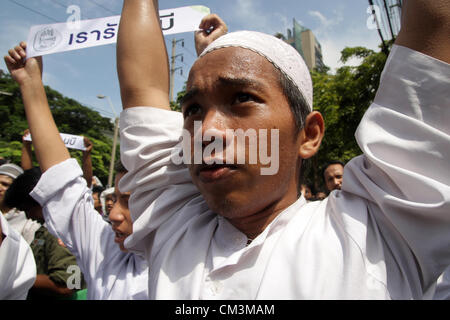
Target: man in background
[(332, 175)]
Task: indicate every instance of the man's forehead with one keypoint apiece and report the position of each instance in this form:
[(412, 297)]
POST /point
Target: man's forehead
[(5, 178), (232, 60), (278, 53), (232, 67), (334, 168)]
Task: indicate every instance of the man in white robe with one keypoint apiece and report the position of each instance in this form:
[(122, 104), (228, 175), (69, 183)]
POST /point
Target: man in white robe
[(109, 270), (224, 231), (17, 265)]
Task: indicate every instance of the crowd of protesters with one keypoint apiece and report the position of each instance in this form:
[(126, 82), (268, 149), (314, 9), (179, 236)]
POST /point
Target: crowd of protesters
[(171, 232)]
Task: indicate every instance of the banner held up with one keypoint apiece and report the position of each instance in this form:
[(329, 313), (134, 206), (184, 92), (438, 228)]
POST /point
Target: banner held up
[(60, 37), (70, 141)]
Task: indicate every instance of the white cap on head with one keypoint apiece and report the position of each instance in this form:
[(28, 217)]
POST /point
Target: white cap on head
[(282, 55), (11, 170)]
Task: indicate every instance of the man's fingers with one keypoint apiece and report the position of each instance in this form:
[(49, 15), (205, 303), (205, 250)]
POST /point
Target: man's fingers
[(9, 60), (209, 21), (13, 54), (20, 51), (213, 23)]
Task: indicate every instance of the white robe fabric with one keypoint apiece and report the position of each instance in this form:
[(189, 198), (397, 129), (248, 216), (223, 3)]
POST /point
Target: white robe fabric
[(385, 235), (17, 265), (443, 286), (70, 215), (24, 226)]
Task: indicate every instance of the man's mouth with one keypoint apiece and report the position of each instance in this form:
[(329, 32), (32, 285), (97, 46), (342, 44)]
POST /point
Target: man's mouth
[(214, 172), (120, 236)]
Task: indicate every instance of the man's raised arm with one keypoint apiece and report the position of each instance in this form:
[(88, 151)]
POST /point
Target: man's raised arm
[(142, 62), (426, 27), (48, 145)]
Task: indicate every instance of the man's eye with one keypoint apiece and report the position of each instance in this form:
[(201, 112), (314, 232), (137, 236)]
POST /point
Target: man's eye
[(191, 110), (242, 97)]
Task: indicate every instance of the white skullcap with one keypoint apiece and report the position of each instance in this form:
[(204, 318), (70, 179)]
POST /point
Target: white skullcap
[(282, 55), (11, 170)]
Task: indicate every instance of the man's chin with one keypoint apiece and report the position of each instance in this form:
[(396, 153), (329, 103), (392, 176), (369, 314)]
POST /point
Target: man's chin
[(230, 206)]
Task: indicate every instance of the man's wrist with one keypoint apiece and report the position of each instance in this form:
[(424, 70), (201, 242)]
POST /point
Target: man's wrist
[(31, 81)]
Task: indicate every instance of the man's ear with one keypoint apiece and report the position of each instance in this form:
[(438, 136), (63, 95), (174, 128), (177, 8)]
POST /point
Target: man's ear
[(311, 135)]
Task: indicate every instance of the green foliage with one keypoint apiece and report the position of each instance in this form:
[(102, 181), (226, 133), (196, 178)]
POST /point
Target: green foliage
[(70, 117), (342, 99), (101, 157), (176, 105), (11, 150)]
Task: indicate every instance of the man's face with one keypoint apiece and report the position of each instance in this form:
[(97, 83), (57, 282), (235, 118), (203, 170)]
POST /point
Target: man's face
[(321, 195), (120, 215), (109, 202), (306, 191), (235, 88), (333, 176), (5, 182)]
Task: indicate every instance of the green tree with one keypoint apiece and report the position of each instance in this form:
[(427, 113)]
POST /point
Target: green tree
[(343, 98), (176, 105), (70, 117)]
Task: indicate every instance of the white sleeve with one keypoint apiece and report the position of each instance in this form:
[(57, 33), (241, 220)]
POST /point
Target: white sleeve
[(443, 286), (17, 265), (70, 215), (149, 137), (404, 173)]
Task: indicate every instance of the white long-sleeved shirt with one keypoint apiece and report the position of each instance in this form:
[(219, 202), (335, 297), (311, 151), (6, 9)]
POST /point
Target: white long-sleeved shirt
[(385, 235), (443, 286), (20, 223), (17, 265), (69, 213)]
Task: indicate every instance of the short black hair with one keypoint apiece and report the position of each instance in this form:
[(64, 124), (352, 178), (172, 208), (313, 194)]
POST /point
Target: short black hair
[(329, 163), (297, 102), (18, 193), (97, 189), (300, 110), (119, 167)]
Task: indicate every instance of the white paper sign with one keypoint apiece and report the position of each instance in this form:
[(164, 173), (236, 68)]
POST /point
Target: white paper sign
[(70, 140), (60, 37)]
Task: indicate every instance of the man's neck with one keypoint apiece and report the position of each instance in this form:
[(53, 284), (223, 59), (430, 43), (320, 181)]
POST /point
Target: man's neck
[(255, 224)]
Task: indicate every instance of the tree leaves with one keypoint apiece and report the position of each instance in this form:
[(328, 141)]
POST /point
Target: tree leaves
[(342, 99), (70, 116)]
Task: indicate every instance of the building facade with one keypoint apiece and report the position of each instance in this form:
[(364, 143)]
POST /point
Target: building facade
[(304, 41)]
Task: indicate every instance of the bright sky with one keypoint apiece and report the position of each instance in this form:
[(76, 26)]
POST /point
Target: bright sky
[(83, 74)]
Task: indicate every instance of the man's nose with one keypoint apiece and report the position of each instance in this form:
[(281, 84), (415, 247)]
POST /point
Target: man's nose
[(115, 214), (213, 129), (214, 124)]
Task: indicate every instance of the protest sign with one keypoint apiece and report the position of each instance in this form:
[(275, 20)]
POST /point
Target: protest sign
[(60, 37), (70, 140)]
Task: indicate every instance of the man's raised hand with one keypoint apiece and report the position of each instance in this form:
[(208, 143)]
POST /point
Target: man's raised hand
[(23, 70), (212, 27), (88, 144)]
